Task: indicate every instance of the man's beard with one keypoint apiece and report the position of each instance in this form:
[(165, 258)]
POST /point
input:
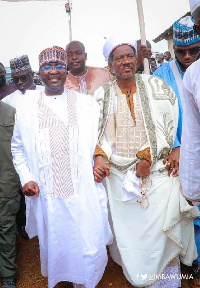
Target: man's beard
[(2, 81)]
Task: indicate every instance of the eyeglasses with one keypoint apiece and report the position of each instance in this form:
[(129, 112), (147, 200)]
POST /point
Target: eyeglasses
[(196, 28), (191, 51), (22, 78), (56, 67)]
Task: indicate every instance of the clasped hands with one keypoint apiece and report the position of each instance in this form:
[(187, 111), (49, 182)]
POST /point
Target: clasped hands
[(101, 169)]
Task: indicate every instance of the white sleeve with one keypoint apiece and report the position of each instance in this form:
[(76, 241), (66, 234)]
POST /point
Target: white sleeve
[(189, 170), (18, 153)]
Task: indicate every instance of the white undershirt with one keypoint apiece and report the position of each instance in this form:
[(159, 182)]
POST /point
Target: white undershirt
[(58, 104)]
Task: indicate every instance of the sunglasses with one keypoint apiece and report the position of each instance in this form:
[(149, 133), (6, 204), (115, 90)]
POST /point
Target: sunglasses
[(56, 67), (196, 28), (22, 78), (191, 51)]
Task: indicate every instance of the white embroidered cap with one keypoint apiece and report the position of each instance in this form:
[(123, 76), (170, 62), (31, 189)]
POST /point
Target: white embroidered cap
[(115, 41), (194, 4)]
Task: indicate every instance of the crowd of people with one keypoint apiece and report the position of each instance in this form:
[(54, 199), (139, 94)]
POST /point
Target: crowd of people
[(104, 157)]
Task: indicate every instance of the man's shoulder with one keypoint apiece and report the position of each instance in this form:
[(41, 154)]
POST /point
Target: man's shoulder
[(98, 70), (7, 108), (164, 68)]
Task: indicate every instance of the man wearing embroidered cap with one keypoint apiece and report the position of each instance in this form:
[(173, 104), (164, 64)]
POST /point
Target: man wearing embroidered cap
[(186, 49), (22, 76), (66, 210), (138, 123)]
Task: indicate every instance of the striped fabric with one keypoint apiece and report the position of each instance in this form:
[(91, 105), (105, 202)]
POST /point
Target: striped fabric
[(59, 148)]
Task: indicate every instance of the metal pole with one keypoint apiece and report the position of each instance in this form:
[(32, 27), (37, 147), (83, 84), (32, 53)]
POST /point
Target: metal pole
[(142, 33), (70, 28), (68, 8)]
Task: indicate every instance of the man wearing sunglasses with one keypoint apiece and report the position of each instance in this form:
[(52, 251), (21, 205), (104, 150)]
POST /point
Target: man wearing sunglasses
[(186, 44), (53, 144), (186, 49), (22, 76)]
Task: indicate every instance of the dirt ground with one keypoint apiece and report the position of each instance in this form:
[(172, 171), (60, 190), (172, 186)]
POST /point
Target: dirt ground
[(29, 270)]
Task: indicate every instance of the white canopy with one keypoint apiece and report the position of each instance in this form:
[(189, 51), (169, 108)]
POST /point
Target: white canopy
[(24, 0)]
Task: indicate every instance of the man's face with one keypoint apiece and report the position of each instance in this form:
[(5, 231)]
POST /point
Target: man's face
[(2, 76), (53, 75), (23, 81), (167, 56), (76, 58), (186, 55), (124, 62), (159, 58)]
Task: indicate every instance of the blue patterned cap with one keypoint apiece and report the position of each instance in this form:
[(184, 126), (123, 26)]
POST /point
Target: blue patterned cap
[(183, 32), (20, 64)]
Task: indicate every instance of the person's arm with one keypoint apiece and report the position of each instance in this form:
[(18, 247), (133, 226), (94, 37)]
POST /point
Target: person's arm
[(30, 187), (189, 170)]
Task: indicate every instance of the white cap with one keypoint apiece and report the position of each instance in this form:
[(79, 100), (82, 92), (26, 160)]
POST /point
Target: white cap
[(194, 4), (115, 41)]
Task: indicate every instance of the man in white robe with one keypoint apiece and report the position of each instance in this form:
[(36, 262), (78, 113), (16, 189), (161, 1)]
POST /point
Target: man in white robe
[(53, 144), (152, 222), (190, 149)]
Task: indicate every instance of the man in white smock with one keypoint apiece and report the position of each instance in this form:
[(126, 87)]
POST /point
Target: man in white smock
[(53, 143)]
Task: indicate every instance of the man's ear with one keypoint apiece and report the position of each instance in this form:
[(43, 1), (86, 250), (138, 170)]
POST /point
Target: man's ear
[(85, 56), (110, 66)]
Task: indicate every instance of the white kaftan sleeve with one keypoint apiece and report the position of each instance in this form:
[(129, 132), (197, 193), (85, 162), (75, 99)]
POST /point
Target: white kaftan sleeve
[(18, 153), (189, 170)]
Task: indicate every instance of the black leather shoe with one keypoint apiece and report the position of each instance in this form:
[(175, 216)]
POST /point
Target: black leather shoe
[(22, 232), (8, 282)]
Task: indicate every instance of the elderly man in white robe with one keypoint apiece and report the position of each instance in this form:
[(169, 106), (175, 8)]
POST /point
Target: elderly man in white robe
[(152, 222), (53, 143)]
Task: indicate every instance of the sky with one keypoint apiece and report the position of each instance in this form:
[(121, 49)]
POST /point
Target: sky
[(28, 27)]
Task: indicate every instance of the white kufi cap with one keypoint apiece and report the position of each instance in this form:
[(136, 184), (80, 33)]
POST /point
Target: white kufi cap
[(115, 41), (194, 4)]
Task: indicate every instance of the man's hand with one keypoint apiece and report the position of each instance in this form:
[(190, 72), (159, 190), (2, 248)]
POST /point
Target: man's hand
[(101, 169), (143, 52), (143, 168), (31, 188), (172, 162)]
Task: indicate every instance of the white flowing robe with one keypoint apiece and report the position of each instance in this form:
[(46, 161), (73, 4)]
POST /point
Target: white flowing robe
[(70, 215), (190, 147), (147, 238)]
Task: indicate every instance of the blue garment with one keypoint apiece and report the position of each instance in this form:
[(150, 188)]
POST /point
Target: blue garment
[(165, 73)]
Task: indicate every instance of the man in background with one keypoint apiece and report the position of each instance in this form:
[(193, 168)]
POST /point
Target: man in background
[(82, 78), (159, 59), (23, 77), (167, 56), (6, 88)]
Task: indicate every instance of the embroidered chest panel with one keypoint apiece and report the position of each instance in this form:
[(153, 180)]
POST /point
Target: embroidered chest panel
[(125, 135), (59, 148)]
